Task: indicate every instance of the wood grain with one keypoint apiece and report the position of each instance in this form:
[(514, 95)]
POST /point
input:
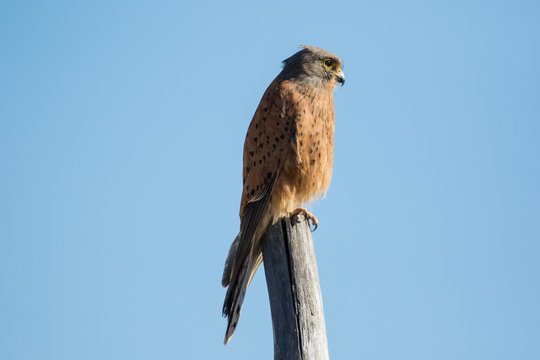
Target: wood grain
[(295, 296)]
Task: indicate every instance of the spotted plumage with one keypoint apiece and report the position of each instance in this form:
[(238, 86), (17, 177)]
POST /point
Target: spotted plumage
[(288, 155)]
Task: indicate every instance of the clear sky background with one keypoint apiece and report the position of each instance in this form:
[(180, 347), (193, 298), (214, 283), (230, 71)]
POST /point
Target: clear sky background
[(121, 135)]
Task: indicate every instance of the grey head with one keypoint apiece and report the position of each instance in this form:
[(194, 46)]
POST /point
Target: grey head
[(313, 66)]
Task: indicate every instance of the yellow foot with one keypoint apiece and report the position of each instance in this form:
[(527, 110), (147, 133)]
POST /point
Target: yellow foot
[(308, 216)]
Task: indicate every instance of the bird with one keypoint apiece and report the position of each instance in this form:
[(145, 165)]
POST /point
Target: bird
[(287, 162)]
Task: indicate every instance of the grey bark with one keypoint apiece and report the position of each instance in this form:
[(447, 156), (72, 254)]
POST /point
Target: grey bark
[(295, 296)]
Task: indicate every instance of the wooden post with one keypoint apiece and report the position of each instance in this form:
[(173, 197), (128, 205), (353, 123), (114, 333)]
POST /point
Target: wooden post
[(291, 273)]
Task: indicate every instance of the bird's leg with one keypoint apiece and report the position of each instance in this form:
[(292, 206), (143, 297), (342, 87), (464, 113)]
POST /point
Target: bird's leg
[(307, 215)]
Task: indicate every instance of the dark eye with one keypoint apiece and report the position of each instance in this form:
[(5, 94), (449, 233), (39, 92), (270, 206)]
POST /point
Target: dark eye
[(328, 63)]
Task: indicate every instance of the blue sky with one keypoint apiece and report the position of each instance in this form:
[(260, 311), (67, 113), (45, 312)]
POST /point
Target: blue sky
[(121, 135)]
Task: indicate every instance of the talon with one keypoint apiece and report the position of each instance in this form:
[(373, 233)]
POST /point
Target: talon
[(309, 216)]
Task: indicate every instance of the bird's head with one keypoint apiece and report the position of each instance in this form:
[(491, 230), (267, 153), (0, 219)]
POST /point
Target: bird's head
[(314, 65)]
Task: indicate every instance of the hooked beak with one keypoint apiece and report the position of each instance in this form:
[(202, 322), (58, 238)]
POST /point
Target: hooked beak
[(340, 77)]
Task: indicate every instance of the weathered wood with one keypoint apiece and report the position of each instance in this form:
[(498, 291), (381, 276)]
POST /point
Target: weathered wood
[(294, 291)]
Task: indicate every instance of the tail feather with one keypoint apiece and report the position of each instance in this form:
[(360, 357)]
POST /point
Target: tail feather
[(245, 257), (235, 296), (258, 261), (227, 271)]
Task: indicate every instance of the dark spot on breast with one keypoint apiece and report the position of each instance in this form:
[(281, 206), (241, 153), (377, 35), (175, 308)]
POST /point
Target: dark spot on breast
[(310, 151), (286, 128), (261, 145), (265, 110), (264, 119), (287, 123), (269, 175), (312, 161), (260, 162), (254, 163), (301, 144), (251, 153), (252, 192), (282, 137), (255, 139), (274, 146), (247, 169), (256, 126), (277, 139), (264, 157)]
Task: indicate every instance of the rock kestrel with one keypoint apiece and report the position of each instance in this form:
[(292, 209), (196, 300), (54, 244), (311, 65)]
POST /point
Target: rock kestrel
[(288, 155)]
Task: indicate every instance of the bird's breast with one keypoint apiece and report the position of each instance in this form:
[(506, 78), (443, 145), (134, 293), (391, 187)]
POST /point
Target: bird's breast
[(312, 148)]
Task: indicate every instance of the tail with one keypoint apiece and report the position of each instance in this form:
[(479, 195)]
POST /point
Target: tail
[(236, 293), (244, 258), (238, 285)]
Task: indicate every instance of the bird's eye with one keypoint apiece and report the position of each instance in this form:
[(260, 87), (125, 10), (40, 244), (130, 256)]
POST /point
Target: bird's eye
[(328, 63)]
